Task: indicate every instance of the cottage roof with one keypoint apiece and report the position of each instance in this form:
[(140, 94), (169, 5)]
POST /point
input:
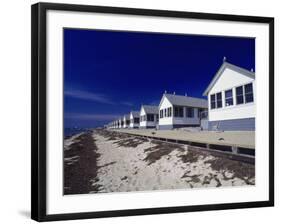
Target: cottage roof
[(150, 109), (186, 101), (221, 70), (135, 113)]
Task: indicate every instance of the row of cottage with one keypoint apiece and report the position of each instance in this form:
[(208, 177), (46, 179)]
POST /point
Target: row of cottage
[(230, 105)]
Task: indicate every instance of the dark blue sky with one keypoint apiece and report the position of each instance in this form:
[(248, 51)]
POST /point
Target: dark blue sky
[(109, 73)]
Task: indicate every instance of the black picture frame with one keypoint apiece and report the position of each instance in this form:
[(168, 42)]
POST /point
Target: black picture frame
[(39, 123)]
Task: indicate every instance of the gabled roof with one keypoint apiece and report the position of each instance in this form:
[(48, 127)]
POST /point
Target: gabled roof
[(186, 101), (149, 109), (135, 113), (221, 70)]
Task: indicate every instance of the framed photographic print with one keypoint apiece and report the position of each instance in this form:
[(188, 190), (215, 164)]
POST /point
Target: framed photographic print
[(138, 111)]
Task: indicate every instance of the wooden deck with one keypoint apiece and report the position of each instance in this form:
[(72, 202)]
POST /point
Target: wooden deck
[(240, 143)]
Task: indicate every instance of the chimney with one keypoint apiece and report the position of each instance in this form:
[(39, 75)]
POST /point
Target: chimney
[(165, 91), (224, 59), (174, 93), (252, 70), (185, 94)]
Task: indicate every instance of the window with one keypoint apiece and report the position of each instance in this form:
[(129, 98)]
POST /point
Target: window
[(165, 112), (199, 112), (178, 111), (228, 98), (150, 117), (190, 112), (161, 113), (181, 111), (157, 117), (216, 100), (249, 93), (239, 95), (136, 120), (244, 94), (169, 111), (219, 100), (213, 101)]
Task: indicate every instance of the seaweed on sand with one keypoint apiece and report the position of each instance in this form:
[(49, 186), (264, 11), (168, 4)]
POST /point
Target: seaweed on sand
[(131, 142), (161, 149), (78, 175), (193, 178), (190, 157), (112, 135), (239, 169)]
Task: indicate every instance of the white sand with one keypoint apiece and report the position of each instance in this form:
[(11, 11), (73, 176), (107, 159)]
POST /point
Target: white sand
[(124, 169)]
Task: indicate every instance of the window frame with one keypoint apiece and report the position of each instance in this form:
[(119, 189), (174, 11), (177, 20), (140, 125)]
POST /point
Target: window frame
[(136, 120), (243, 95), (216, 98), (177, 111), (252, 93), (234, 96), (211, 101), (161, 114), (150, 117), (189, 109), (227, 98), (169, 111)]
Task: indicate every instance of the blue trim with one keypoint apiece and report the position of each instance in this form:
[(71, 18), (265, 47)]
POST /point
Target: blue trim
[(171, 126), (246, 124), (166, 127), (147, 127)]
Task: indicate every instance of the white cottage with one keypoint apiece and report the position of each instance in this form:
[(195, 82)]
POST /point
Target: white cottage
[(149, 116), (177, 111), (231, 99), (126, 121), (134, 119)]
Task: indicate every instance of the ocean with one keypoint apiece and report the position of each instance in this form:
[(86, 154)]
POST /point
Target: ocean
[(68, 132)]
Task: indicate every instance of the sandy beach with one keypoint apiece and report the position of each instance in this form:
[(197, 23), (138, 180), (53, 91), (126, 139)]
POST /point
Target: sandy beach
[(107, 161)]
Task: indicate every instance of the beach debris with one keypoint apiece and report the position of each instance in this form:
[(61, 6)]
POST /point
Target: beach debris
[(124, 178)]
